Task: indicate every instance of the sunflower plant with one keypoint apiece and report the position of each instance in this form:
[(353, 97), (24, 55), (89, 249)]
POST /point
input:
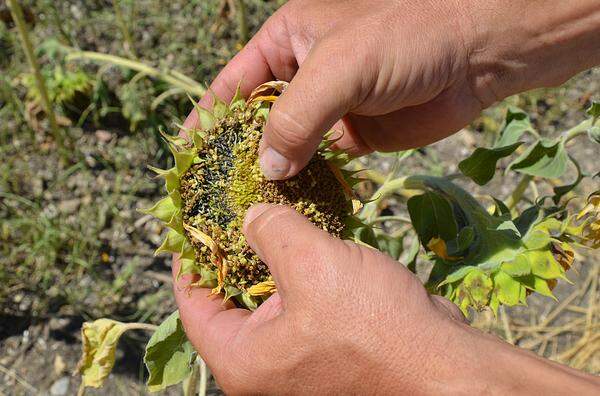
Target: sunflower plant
[(479, 257)]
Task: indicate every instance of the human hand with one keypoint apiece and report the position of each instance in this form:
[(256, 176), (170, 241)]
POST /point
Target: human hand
[(349, 320), (401, 74)]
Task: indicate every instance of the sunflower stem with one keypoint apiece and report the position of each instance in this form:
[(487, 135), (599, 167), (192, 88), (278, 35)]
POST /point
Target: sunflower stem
[(167, 76), (517, 194), (578, 130), (203, 378), (17, 15)]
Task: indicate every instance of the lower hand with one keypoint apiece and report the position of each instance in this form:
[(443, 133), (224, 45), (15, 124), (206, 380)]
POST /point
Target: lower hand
[(349, 320)]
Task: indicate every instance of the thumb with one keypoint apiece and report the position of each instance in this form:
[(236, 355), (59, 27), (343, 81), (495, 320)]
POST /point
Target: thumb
[(296, 252), (320, 94)]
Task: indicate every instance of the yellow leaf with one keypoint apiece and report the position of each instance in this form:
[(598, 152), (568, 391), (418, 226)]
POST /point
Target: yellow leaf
[(438, 246), (99, 345)]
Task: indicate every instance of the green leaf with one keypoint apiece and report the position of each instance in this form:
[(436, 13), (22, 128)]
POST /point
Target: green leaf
[(544, 265), (169, 355), (188, 267), (594, 110), (183, 159), (411, 257), (99, 346), (360, 231), (594, 134), (536, 239), (536, 284), (519, 266), (390, 245), (501, 210), (208, 278), (238, 101), (206, 118), (458, 275), (515, 125), (479, 286), (432, 217), (507, 288), (220, 108), (481, 165), (462, 242), (560, 191), (526, 219), (546, 158), (198, 139)]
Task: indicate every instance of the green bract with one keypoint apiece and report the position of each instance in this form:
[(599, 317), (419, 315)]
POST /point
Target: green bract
[(217, 177)]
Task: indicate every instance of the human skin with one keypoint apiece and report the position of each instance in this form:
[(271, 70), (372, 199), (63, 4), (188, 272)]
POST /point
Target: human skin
[(387, 75)]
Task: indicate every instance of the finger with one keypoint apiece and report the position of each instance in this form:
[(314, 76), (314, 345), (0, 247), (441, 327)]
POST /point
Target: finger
[(297, 253), (417, 126), (268, 55), (449, 308), (209, 323), (321, 93), (348, 139)]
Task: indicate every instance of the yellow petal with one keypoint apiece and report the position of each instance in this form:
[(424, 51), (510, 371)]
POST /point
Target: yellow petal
[(267, 90), (265, 288), (202, 237)]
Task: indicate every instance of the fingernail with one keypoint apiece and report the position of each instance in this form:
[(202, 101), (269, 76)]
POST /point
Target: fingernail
[(274, 165), (253, 212)]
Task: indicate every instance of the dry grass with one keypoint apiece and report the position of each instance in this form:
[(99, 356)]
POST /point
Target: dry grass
[(568, 333)]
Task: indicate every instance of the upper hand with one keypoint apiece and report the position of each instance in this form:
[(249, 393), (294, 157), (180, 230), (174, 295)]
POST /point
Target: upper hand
[(392, 75)]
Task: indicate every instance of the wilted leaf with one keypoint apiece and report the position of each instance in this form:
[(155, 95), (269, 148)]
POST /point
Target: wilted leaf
[(169, 355), (99, 346)]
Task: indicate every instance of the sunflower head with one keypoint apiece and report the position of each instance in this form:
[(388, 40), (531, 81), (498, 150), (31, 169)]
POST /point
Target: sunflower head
[(217, 177)]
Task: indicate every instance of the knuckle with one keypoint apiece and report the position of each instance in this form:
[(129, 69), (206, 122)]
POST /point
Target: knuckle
[(286, 132), (273, 218)]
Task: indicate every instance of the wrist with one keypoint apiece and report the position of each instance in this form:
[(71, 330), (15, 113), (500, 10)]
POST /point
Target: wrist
[(519, 45)]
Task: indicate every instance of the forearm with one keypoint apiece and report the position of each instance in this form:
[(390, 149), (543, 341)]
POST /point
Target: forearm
[(496, 367), (520, 45)]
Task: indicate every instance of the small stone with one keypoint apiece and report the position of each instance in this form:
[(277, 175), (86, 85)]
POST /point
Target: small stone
[(103, 136), (59, 365), (69, 206), (60, 387)]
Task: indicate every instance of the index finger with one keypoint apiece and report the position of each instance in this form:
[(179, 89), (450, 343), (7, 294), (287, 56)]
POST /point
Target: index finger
[(209, 323), (267, 56)]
